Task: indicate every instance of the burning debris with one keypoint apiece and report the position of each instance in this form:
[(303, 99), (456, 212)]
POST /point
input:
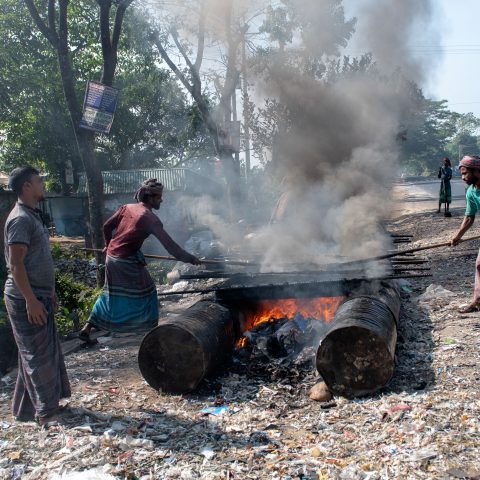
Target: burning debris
[(279, 330), (353, 334), (280, 340)]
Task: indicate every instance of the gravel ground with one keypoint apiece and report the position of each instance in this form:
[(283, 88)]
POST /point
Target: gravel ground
[(424, 424)]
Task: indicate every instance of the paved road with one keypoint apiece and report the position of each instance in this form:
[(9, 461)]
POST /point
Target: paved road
[(423, 196)]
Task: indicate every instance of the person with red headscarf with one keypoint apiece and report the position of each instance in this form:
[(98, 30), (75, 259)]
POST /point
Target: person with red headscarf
[(445, 174), (470, 170), (129, 299)]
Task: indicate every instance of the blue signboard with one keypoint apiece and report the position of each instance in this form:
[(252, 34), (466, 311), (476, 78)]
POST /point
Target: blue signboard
[(99, 107)]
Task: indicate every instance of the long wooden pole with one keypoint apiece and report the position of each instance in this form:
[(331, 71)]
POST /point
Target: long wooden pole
[(173, 259), (410, 250)]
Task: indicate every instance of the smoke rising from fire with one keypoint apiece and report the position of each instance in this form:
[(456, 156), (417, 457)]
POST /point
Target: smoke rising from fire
[(338, 152)]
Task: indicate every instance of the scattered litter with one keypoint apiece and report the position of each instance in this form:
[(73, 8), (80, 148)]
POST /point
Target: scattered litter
[(405, 285), (17, 472), (129, 442), (101, 340), (92, 474), (422, 455), (7, 380), (436, 295), (424, 423), (208, 453), (216, 410), (118, 426), (398, 408), (177, 287)]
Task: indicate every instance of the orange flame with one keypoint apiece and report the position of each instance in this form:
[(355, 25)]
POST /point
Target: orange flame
[(322, 309)]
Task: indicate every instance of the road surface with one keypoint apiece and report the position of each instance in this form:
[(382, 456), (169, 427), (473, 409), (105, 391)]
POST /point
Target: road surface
[(415, 197)]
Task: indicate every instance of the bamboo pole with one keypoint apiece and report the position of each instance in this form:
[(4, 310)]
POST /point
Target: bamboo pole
[(408, 251)]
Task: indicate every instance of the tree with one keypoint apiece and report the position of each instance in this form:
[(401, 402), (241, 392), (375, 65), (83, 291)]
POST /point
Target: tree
[(155, 124), (466, 139), (217, 120), (428, 130), (32, 115), (298, 39), (54, 26)]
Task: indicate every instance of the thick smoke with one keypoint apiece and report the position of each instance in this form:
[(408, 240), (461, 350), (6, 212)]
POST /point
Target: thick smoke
[(339, 154), (393, 32)]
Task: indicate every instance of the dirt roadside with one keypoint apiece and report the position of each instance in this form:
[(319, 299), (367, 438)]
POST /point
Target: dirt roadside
[(424, 424)]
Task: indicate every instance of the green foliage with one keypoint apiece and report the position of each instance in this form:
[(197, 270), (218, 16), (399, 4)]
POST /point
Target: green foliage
[(158, 270), (76, 301), (153, 126), (432, 132), (56, 251)]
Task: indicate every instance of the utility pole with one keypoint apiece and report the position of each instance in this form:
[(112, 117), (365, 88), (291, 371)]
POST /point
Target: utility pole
[(235, 119), (246, 113)]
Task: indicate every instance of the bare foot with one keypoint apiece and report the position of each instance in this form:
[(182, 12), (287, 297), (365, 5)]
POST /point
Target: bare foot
[(472, 307)]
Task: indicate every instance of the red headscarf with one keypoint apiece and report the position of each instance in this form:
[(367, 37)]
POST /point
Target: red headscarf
[(470, 161)]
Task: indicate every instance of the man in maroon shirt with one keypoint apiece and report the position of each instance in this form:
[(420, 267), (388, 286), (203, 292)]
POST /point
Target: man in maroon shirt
[(129, 298)]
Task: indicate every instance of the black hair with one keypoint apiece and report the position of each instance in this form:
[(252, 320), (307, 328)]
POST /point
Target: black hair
[(148, 188), (19, 176)]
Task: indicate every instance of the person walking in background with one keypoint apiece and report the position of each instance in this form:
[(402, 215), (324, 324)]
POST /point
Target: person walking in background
[(129, 299), (445, 174), (30, 300)]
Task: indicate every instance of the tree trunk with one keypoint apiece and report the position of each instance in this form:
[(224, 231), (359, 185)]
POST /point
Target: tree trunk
[(85, 142)]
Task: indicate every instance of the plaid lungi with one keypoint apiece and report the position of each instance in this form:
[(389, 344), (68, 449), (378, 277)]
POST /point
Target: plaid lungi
[(129, 299), (42, 377)]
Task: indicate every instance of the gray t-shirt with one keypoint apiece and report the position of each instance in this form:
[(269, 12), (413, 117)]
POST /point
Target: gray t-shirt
[(24, 226)]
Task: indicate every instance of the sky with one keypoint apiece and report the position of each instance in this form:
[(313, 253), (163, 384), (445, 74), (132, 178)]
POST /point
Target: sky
[(448, 46), (457, 78)]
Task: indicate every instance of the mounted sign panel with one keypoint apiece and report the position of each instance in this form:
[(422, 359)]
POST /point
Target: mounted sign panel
[(99, 107)]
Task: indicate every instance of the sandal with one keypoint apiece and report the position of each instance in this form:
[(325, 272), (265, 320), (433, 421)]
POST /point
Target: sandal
[(470, 308), (50, 424), (56, 420), (85, 337)]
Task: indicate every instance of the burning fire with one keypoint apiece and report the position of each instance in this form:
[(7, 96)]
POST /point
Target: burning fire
[(322, 309)]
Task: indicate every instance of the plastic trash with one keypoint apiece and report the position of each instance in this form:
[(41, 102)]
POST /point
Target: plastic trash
[(208, 453), (435, 292), (217, 411), (92, 474)]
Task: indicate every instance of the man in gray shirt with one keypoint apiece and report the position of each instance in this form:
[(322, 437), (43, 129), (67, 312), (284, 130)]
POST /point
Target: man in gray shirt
[(30, 301)]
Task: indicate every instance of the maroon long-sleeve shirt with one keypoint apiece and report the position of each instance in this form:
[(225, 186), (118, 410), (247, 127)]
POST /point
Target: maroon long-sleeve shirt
[(133, 224)]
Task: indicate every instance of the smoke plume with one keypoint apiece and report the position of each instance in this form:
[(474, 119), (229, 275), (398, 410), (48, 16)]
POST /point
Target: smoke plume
[(338, 153)]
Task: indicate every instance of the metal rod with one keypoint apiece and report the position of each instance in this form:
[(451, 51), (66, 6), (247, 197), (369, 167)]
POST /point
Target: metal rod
[(394, 276), (173, 259), (407, 261), (411, 269)]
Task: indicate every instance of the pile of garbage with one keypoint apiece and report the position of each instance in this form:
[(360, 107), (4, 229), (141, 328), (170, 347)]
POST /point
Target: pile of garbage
[(281, 340)]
